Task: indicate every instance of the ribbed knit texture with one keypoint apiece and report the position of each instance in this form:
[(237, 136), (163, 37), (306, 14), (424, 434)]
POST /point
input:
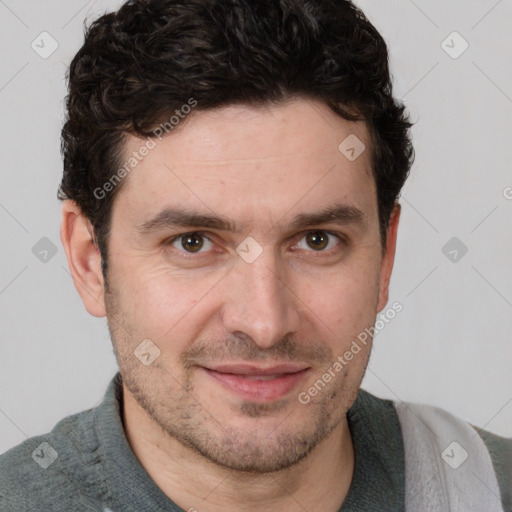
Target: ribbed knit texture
[(96, 469)]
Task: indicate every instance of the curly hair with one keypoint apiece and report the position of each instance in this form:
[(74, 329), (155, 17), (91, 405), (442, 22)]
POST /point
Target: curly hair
[(139, 64)]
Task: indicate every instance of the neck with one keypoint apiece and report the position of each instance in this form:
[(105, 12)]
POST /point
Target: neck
[(319, 482)]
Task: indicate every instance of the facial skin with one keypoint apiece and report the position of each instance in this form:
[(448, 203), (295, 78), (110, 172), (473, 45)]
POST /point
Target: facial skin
[(259, 168)]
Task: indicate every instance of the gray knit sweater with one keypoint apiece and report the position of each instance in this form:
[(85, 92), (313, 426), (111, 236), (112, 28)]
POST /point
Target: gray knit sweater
[(86, 464)]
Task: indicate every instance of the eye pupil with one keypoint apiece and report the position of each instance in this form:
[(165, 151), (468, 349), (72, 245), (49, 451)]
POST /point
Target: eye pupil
[(195, 241), (317, 240)]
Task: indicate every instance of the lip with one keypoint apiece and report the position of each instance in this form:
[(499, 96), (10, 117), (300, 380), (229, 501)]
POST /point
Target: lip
[(249, 369), (243, 380)]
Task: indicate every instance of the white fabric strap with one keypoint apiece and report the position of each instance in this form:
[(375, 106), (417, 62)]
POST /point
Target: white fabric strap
[(447, 465)]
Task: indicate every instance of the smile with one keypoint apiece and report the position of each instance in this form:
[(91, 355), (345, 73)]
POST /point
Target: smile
[(257, 384)]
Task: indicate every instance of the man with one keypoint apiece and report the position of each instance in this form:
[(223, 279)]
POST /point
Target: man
[(231, 181)]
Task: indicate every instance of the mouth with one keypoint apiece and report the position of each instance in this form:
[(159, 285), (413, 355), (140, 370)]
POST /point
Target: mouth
[(257, 384)]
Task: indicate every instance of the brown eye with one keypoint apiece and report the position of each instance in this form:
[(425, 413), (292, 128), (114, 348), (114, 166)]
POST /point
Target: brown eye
[(191, 243), (317, 240), (320, 241)]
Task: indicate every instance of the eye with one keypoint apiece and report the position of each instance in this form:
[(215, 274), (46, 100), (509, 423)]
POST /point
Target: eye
[(320, 241), (191, 243)]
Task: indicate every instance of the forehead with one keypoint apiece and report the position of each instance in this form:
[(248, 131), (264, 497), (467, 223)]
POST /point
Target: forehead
[(263, 160)]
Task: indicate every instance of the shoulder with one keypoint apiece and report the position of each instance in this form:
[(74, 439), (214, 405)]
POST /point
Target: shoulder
[(454, 444), (500, 450), (47, 469)]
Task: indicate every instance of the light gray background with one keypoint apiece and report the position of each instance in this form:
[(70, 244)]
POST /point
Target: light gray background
[(451, 344)]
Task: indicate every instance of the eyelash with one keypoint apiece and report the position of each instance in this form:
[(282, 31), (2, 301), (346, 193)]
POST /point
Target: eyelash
[(188, 255)]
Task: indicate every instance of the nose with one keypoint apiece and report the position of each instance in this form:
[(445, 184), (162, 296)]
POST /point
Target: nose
[(259, 302)]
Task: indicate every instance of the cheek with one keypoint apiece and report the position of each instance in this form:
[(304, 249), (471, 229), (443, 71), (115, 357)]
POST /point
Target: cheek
[(345, 301), (158, 301)]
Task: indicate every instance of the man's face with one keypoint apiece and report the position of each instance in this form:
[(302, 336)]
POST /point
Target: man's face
[(246, 319)]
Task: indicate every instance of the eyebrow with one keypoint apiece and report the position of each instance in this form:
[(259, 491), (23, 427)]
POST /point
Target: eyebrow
[(337, 214), (341, 214)]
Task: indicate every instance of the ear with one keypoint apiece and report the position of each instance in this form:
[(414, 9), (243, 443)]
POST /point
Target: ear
[(84, 259), (388, 257)]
